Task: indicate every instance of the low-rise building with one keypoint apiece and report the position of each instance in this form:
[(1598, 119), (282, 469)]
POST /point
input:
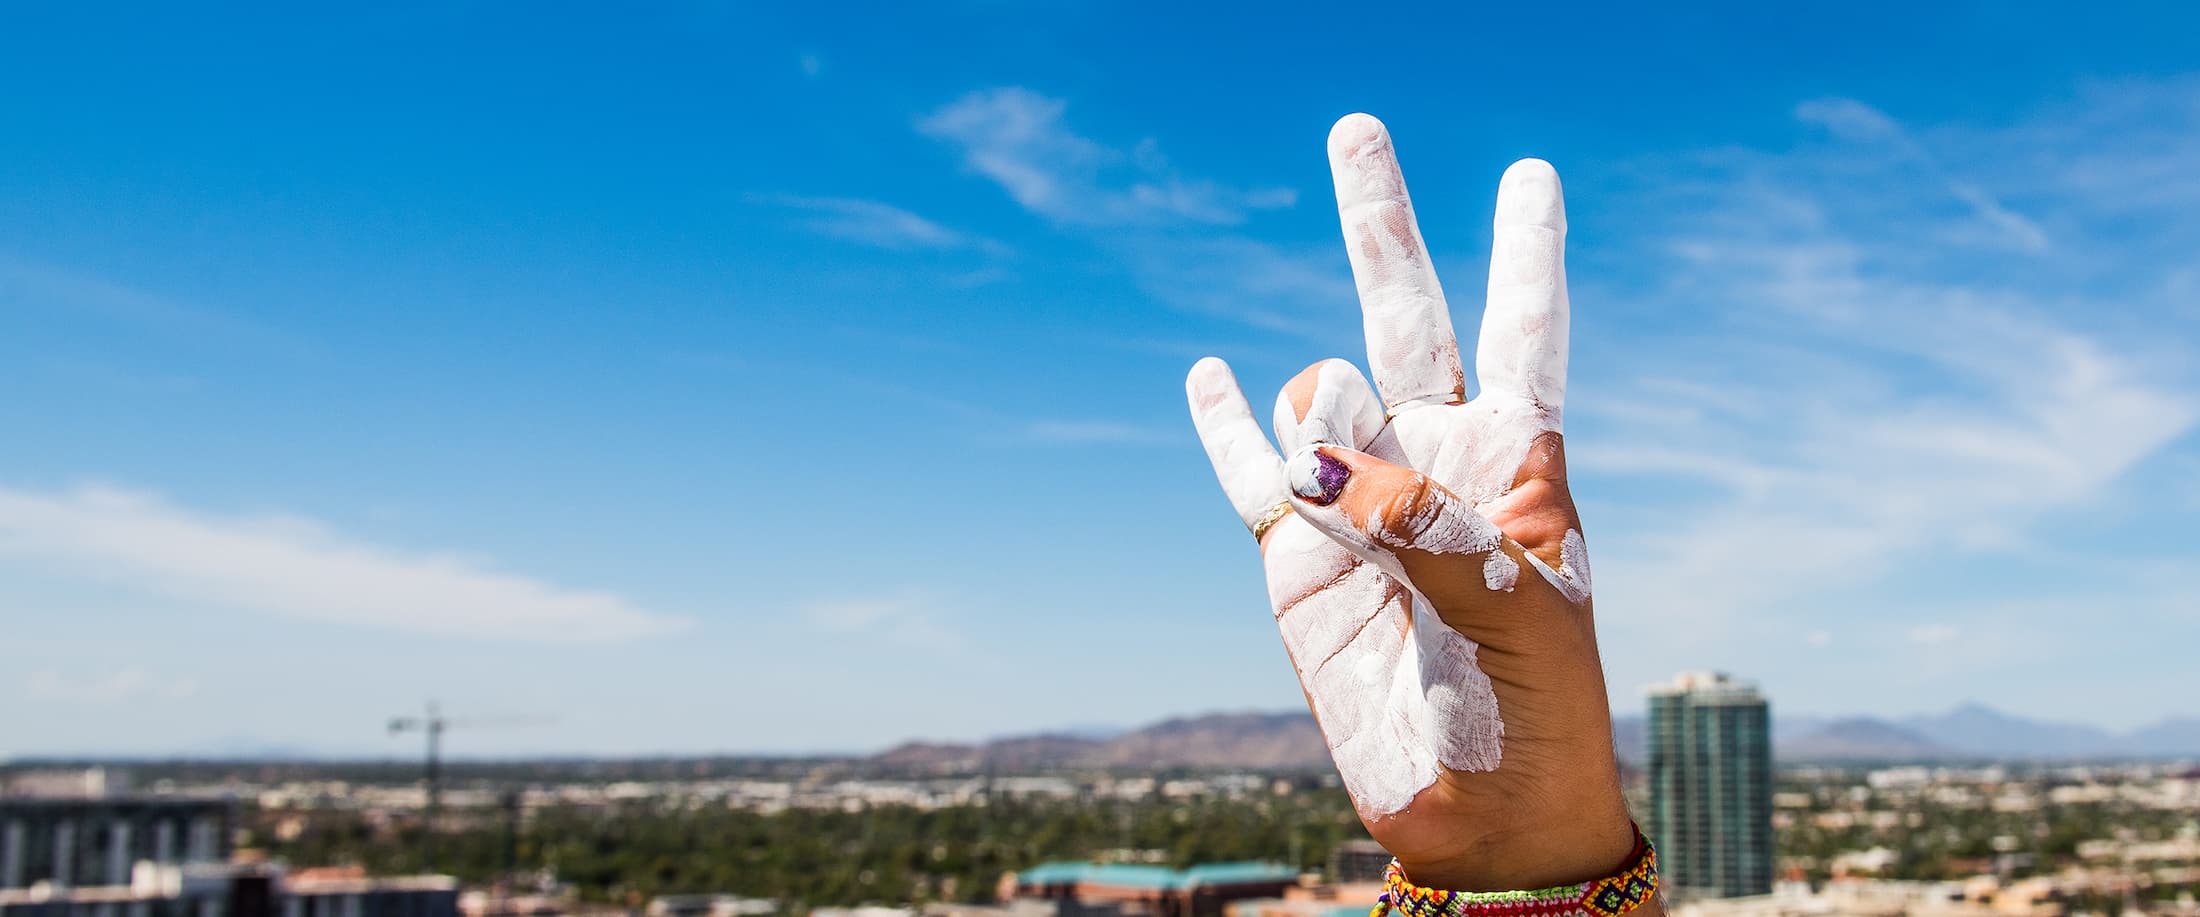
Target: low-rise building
[(72, 841), (239, 890), (1153, 891)]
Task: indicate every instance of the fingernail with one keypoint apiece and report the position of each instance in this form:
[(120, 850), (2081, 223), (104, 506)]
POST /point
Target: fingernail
[(1316, 477)]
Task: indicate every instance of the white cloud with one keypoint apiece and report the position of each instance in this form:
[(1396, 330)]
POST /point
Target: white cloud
[(908, 619), (1020, 140), (296, 567), (35, 287), (1099, 432), (1170, 230), (2011, 227), (1306, 292), (106, 688), (1934, 634), (1850, 119), (1993, 224), (1861, 403), (877, 224)]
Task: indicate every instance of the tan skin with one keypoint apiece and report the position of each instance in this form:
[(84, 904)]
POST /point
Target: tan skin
[(1551, 812)]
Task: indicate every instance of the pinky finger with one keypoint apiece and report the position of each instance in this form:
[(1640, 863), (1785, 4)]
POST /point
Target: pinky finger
[(1250, 470)]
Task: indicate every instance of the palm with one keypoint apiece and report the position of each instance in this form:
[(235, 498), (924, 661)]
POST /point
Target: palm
[(1407, 695)]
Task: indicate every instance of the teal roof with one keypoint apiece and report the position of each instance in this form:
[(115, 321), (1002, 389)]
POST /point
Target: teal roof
[(1229, 873), (1131, 875)]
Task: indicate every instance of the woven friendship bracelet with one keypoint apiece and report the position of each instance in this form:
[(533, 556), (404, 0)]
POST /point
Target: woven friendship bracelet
[(1607, 897)]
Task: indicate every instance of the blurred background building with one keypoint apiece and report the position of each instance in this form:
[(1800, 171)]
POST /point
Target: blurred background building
[(1710, 771), (1138, 890), (98, 840), (78, 843)]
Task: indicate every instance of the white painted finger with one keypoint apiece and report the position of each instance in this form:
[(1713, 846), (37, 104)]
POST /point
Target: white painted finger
[(1330, 403), (1410, 343), (1523, 345), (1249, 469)]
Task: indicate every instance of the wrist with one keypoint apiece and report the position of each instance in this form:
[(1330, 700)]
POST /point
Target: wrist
[(1629, 890), (1558, 846)]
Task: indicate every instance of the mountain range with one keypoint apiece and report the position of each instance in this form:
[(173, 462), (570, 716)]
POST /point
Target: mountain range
[(1290, 741)]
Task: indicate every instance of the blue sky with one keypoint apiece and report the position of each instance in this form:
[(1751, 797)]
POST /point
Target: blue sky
[(727, 378)]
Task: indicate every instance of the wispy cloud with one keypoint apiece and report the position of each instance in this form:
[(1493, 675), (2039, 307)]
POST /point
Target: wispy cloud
[(1934, 634), (1100, 432), (908, 619), (1180, 236), (1852, 120), (286, 565), (1021, 140), (106, 687), (1871, 400), (877, 224), (34, 287), (1992, 224), (1305, 292)]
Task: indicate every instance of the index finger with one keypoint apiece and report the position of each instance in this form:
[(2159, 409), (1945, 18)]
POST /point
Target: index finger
[(1410, 344)]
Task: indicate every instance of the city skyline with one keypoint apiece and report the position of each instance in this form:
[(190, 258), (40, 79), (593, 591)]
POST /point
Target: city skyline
[(771, 381)]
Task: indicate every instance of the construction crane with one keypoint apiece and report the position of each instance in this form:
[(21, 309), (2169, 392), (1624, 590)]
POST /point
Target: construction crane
[(434, 723)]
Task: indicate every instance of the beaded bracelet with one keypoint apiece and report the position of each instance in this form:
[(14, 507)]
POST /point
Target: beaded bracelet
[(1607, 897)]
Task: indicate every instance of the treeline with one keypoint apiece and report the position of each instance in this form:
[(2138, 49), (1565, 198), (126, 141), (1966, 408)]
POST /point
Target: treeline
[(807, 858)]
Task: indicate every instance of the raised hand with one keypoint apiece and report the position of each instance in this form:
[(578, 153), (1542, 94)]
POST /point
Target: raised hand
[(1424, 558)]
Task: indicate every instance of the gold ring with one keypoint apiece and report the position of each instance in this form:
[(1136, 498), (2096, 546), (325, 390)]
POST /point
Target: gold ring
[(1269, 519)]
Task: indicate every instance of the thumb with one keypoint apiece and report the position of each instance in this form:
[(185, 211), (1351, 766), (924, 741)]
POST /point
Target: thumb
[(1409, 526)]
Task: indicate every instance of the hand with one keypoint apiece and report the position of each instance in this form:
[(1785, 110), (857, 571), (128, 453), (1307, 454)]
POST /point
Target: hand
[(1429, 575)]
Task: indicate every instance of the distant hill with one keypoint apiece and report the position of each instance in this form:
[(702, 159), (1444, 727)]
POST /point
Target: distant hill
[(1806, 739), (1859, 739), (1969, 732), (1290, 742), (1263, 741), (2168, 738), (1269, 741), (1983, 731)]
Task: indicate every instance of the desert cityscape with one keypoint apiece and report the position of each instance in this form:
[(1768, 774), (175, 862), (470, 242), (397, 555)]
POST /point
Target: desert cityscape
[(1236, 814)]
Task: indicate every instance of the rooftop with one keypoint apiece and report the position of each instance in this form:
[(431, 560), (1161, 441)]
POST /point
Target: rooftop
[(1131, 875), (1714, 685)]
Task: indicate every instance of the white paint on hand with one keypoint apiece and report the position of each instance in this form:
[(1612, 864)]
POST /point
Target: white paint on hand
[(1250, 471), (1438, 709), (1342, 409), (1304, 475), (1410, 342), (1499, 572), (1522, 351), (1398, 693), (1438, 526), (1573, 560), (1572, 575)]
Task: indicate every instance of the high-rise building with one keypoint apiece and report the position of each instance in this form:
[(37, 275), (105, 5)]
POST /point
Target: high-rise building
[(1358, 861), (1711, 786)]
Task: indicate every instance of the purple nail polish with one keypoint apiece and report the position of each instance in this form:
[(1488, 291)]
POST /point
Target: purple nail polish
[(1317, 478)]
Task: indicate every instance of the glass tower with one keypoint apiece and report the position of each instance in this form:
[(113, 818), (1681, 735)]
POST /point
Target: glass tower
[(1711, 786)]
